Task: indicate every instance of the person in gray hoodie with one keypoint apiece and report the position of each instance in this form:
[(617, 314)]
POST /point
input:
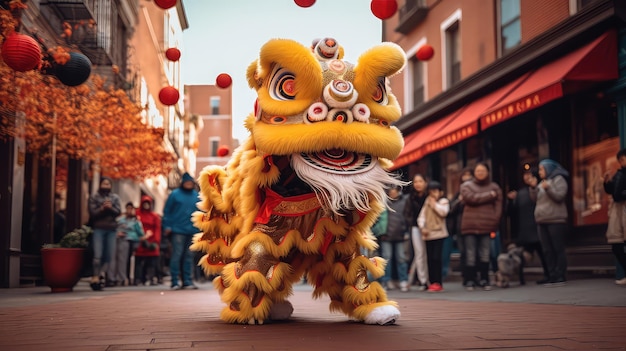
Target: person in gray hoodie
[(551, 216)]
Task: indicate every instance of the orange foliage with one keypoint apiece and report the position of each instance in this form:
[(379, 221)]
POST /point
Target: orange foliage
[(89, 121)]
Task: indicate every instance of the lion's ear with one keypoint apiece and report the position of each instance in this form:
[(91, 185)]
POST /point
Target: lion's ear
[(254, 81)]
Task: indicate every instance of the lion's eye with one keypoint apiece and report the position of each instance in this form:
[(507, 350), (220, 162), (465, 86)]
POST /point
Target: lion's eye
[(380, 95), (282, 85)]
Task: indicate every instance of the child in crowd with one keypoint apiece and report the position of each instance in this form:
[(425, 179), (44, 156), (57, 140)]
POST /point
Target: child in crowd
[(129, 232), (147, 254), (432, 225)]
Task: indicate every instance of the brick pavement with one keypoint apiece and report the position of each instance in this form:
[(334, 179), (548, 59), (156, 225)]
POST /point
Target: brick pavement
[(154, 318)]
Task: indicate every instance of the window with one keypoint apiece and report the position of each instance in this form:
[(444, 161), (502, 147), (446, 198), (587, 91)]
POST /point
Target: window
[(453, 54), (417, 80), (215, 144), (510, 25), (215, 105)]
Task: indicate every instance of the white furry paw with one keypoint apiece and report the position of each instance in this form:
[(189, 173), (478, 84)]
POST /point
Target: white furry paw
[(383, 315), (281, 310)]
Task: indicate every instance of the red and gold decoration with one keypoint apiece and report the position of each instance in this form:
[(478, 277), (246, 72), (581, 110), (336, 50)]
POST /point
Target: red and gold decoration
[(223, 80), (425, 52), (165, 4), (223, 151), (304, 3), (21, 52), (298, 198), (169, 95), (172, 54), (384, 9)]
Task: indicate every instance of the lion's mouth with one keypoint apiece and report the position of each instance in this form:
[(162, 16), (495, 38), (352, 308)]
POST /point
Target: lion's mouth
[(338, 161)]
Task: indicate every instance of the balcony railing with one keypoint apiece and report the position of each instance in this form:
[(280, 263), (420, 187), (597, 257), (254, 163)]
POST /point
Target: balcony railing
[(411, 15), (72, 10)]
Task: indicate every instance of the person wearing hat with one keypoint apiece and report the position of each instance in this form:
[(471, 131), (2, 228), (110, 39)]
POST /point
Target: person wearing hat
[(551, 215), (432, 224), (179, 207), (104, 207)]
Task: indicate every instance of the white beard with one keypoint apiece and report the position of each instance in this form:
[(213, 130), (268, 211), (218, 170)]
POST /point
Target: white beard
[(339, 192)]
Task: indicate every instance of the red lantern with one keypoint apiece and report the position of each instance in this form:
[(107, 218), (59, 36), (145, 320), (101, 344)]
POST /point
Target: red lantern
[(222, 151), (172, 54), (425, 53), (21, 52), (169, 96), (304, 3), (384, 9), (165, 4), (223, 80), (75, 71)]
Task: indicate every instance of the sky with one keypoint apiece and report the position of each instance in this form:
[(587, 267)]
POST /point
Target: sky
[(225, 36)]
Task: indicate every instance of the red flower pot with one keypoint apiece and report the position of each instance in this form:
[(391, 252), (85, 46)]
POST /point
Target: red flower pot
[(62, 267)]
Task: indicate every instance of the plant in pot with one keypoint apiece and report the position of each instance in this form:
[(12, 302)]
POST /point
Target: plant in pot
[(62, 263)]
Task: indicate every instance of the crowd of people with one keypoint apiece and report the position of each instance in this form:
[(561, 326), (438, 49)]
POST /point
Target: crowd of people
[(423, 227), (138, 246), (416, 233)]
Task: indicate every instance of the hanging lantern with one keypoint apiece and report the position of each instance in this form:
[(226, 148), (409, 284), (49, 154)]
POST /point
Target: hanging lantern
[(21, 52), (172, 54), (75, 71), (223, 80), (223, 151), (384, 9), (425, 53), (165, 4), (304, 3), (169, 96)]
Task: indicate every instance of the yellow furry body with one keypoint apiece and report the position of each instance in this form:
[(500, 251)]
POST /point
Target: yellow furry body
[(263, 228)]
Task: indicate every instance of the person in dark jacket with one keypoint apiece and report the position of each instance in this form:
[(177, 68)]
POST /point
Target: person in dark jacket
[(482, 210), (179, 207), (551, 215), (392, 243), (453, 223), (616, 231), (417, 247), (104, 207)]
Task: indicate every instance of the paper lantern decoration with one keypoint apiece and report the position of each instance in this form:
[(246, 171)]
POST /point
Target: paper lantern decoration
[(304, 3), (223, 80), (21, 52), (384, 9), (75, 71), (172, 54), (169, 96), (222, 151), (165, 4), (425, 53)]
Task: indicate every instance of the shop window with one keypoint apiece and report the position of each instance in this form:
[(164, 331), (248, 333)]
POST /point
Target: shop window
[(510, 25), (596, 143)]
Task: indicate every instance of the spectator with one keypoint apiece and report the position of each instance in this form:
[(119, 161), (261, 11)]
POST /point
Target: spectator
[(148, 253), (129, 231), (393, 241), (378, 229), (179, 207), (453, 224), (432, 225), (551, 217), (616, 231), (417, 196), (522, 210), (482, 211), (104, 207)]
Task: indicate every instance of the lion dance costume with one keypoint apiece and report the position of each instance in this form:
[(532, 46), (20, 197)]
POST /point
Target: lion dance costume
[(299, 197)]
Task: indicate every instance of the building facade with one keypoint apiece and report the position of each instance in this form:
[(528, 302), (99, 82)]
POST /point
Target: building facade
[(512, 82), (126, 43), (211, 106)]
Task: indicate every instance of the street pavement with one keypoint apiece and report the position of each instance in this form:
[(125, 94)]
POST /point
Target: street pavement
[(585, 314)]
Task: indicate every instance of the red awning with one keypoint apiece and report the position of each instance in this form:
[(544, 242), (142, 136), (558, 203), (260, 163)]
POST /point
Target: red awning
[(594, 62)]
